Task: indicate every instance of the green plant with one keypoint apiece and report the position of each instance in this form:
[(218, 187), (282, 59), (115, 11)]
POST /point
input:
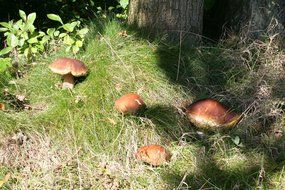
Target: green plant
[(22, 37), (120, 11), (68, 33), (123, 4), (5, 63)]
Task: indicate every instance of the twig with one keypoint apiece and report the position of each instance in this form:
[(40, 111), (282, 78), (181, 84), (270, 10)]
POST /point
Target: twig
[(179, 57)]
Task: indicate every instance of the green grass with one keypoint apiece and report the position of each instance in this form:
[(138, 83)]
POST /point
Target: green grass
[(77, 140)]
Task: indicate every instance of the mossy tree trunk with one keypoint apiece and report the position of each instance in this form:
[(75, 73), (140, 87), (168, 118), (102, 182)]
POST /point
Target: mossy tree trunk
[(179, 19)]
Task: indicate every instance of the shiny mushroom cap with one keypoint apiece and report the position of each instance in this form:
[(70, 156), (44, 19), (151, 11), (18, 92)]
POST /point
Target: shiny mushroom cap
[(154, 155), (210, 114), (129, 103), (65, 66)]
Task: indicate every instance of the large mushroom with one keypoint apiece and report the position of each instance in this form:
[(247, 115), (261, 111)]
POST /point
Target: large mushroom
[(68, 68), (154, 155), (129, 104), (211, 114)]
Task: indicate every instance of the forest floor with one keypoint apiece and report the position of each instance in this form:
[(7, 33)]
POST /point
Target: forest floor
[(60, 139)]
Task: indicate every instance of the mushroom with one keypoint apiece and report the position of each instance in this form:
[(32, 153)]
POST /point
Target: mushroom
[(129, 103), (68, 68), (154, 155), (211, 114)]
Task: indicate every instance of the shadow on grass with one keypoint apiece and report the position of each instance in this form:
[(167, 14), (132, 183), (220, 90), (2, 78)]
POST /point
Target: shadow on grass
[(168, 121), (210, 176), (206, 71)]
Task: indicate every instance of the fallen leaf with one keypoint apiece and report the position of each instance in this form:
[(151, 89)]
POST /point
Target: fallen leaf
[(123, 33), (2, 106), (21, 97)]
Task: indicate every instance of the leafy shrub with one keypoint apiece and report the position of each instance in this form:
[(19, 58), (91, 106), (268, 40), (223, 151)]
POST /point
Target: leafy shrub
[(68, 33), (22, 38)]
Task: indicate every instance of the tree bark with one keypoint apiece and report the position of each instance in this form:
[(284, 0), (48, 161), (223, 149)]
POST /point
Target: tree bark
[(178, 19), (256, 17)]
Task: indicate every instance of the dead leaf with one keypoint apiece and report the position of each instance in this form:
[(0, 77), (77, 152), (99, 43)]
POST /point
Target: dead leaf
[(21, 97), (123, 33), (2, 106)]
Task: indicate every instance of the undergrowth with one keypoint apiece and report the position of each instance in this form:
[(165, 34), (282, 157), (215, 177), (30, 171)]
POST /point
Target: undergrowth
[(61, 139)]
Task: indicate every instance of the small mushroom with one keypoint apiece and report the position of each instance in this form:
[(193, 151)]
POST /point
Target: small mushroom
[(211, 114), (154, 155), (68, 68), (129, 103)]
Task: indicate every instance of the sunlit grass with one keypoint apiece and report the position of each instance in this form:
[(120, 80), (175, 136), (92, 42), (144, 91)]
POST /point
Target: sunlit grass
[(91, 146)]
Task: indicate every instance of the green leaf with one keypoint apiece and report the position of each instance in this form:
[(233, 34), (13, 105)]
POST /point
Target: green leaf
[(68, 40), (34, 50), (69, 26), (5, 50), (68, 48), (5, 24), (45, 39), (17, 25), (27, 52), (31, 28), (4, 64), (124, 3), (56, 33), (54, 17), (41, 34), (21, 42), (62, 35), (79, 43), (75, 49), (23, 15), (31, 18), (83, 31), (33, 40), (40, 47), (2, 29), (50, 31), (25, 36), (14, 41)]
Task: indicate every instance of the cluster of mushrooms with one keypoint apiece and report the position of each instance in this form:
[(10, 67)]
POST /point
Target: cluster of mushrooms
[(206, 114)]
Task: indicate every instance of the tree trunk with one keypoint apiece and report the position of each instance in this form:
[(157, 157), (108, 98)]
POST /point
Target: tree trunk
[(178, 19), (256, 17)]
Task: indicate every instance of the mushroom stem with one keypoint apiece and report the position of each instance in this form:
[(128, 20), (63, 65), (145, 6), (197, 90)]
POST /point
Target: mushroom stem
[(68, 81)]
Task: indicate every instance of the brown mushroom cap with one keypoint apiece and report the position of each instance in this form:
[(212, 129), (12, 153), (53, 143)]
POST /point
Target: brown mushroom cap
[(209, 113), (153, 154), (65, 66), (129, 103)]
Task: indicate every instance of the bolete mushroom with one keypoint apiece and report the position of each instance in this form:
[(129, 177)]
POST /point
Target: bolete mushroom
[(68, 68), (211, 114), (154, 155), (129, 103)]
